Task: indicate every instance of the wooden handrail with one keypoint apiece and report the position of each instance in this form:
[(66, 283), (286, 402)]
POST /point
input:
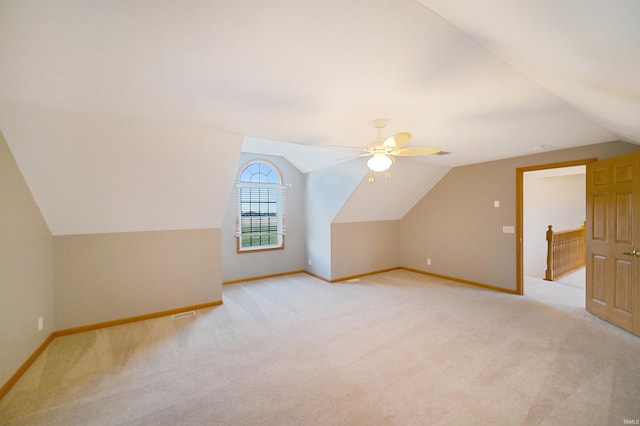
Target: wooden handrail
[(565, 251)]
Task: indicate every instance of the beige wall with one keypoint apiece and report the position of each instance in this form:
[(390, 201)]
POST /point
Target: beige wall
[(26, 280), (457, 226), (362, 247), (104, 277)]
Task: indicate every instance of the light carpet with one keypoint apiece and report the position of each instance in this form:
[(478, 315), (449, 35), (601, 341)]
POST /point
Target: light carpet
[(396, 348), (568, 291)]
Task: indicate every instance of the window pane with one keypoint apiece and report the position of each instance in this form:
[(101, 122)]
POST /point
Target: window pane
[(259, 173), (259, 207)]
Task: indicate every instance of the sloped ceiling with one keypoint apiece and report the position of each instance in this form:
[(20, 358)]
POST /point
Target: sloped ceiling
[(482, 80), (90, 174), (585, 52)]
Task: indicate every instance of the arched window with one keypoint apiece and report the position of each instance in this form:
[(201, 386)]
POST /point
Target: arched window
[(260, 199)]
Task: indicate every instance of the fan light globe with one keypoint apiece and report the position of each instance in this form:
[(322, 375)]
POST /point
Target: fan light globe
[(379, 162)]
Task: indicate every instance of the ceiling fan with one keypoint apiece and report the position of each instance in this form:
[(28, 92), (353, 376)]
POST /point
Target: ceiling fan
[(384, 151)]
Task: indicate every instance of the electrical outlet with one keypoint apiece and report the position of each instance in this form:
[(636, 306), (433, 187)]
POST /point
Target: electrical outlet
[(428, 261), (309, 261), (40, 323)]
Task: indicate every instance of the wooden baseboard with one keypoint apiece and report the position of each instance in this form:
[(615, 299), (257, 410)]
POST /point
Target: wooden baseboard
[(262, 277), (446, 277), (317, 276), (463, 281), (353, 277), (137, 318), (24, 367)]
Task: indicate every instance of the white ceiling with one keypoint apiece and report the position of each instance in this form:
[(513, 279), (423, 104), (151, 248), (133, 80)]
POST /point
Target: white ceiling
[(91, 175), (482, 80), (585, 52)]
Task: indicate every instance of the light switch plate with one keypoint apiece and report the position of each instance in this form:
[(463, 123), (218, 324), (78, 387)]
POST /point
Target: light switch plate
[(508, 229)]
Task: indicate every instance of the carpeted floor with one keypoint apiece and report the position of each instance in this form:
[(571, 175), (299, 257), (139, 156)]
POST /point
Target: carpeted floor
[(567, 291), (391, 349)]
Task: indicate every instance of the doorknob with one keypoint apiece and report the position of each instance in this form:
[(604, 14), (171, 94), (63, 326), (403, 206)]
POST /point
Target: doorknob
[(632, 253)]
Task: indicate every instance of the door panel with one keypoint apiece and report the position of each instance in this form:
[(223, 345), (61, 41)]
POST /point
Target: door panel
[(613, 215), (623, 294), (600, 176), (599, 214), (623, 216), (598, 279), (624, 172)]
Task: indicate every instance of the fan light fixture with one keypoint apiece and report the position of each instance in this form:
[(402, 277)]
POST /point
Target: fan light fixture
[(379, 162), (383, 152)]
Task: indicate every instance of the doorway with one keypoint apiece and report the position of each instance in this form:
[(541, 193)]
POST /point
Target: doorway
[(532, 215), (553, 197)]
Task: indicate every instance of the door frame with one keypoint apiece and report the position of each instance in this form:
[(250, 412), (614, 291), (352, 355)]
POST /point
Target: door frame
[(520, 171)]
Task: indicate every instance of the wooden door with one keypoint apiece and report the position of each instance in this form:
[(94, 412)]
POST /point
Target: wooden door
[(613, 241)]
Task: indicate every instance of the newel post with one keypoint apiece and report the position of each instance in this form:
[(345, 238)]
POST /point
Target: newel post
[(548, 275)]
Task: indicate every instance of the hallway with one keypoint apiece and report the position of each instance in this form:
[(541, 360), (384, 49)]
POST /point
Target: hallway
[(568, 291)]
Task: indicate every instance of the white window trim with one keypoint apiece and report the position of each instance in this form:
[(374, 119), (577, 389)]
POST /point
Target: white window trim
[(281, 209)]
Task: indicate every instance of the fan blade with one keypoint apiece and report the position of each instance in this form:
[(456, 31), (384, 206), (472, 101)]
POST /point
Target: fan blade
[(416, 151), (397, 141), (350, 148)]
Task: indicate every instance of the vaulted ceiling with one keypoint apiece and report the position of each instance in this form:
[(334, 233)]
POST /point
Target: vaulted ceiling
[(170, 89)]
